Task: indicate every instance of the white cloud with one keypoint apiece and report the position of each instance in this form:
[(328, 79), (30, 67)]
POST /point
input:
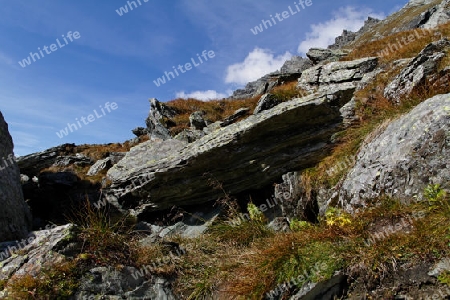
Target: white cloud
[(258, 63), (324, 34), (202, 95)]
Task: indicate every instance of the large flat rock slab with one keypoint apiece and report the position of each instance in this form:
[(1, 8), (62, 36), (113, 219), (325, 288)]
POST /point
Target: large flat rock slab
[(247, 155)]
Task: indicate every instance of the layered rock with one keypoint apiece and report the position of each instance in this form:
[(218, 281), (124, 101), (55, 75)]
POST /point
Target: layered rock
[(242, 156), (417, 71), (326, 78), (32, 164), (318, 55), (404, 157), (38, 250), (159, 120), (15, 217)]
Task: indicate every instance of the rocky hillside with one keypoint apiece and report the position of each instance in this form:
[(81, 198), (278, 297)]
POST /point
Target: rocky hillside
[(328, 179)]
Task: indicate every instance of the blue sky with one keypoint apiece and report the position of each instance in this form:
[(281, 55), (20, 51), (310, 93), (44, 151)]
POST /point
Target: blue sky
[(118, 58)]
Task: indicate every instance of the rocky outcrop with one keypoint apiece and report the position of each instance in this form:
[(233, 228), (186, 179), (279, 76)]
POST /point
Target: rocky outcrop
[(100, 165), (32, 164), (241, 112), (348, 36), (190, 135), (266, 102), (197, 121), (432, 17), (15, 217), (139, 131), (295, 65), (318, 55), (247, 155), (128, 283), (331, 76), (45, 248), (403, 158), (37, 250), (291, 70), (344, 39), (159, 120), (77, 160), (417, 71)]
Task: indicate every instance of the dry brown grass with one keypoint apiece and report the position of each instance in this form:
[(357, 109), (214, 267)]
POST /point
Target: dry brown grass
[(388, 44), (288, 91), (252, 271), (215, 110)]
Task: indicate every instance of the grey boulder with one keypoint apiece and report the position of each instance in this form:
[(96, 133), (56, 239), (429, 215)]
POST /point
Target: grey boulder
[(404, 157)]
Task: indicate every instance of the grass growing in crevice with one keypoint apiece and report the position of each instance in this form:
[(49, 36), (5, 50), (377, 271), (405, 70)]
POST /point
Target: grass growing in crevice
[(58, 282), (288, 91), (222, 269), (105, 239)]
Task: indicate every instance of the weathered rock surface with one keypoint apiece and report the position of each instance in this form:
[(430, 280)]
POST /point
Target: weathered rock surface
[(325, 78), (318, 55), (78, 160), (197, 121), (403, 158), (434, 16), (15, 217), (139, 131), (32, 164), (247, 155), (40, 249), (100, 165), (190, 135), (241, 112), (128, 283), (296, 65), (416, 72), (266, 102), (45, 248), (159, 120)]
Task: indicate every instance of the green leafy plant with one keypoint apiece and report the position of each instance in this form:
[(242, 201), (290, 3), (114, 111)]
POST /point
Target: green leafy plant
[(444, 278), (434, 193), (255, 214)]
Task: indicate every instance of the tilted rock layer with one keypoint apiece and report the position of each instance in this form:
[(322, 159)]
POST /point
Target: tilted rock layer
[(247, 155), (15, 217)]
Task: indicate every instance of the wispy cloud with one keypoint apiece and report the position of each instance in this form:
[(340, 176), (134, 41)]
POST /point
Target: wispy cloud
[(202, 95), (258, 63), (324, 34)]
